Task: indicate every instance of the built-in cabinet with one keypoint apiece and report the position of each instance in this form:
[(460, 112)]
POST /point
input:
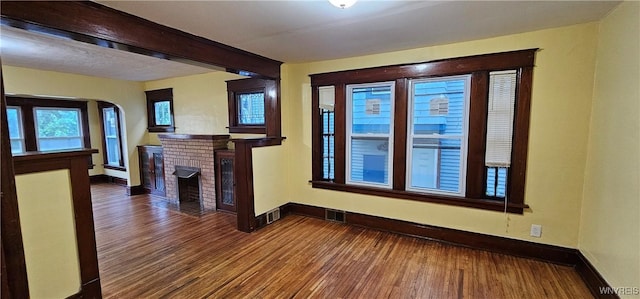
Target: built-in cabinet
[(225, 186), (152, 169)]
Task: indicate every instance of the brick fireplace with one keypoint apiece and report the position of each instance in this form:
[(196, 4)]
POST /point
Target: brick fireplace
[(192, 151)]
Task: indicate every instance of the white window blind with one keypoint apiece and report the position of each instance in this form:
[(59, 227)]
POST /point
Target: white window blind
[(502, 94), (327, 97)]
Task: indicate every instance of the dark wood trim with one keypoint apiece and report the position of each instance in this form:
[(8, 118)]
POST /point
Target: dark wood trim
[(136, 190), (594, 281), (543, 252), (243, 177), (260, 142), (154, 175), (248, 129), (76, 163), (154, 96), (118, 181), (316, 136), (118, 168), (103, 26), (339, 117), (260, 221), (14, 269), (99, 178), (274, 109), (272, 118), (476, 174), (218, 156), (478, 67), (27, 105), (442, 67), (103, 178), (194, 136), (85, 231), (518, 170), (484, 204), (101, 106), (401, 106)]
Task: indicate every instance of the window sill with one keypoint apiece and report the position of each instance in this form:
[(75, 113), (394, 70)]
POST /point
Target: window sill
[(161, 129), (484, 204), (248, 129), (113, 167)]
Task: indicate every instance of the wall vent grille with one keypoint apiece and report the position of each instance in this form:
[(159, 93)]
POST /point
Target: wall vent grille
[(335, 215), (273, 215)]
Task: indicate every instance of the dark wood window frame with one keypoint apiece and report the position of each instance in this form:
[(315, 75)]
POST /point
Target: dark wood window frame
[(27, 106), (478, 67), (101, 106), (250, 85), (154, 96)]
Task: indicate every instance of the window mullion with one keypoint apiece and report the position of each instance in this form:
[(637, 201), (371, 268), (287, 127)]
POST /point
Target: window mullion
[(476, 174), (400, 134), (30, 141), (340, 134)]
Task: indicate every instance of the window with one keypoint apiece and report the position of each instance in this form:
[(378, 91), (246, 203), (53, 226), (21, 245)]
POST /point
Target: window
[(111, 136), (452, 131), (326, 104), (160, 110), (250, 108), (58, 128), (14, 117), (249, 100), (38, 124), (437, 140), (369, 134)]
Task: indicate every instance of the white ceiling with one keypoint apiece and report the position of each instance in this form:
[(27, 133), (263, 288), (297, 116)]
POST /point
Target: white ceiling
[(301, 31)]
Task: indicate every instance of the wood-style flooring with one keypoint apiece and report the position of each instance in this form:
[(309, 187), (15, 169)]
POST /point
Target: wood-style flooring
[(146, 251)]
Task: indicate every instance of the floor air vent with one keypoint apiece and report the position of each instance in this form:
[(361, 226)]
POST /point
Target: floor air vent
[(335, 215), (273, 215)]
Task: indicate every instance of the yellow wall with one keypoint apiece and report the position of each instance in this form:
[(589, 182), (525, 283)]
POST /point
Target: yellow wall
[(201, 107), (561, 105), (48, 232), (129, 96), (610, 226), (199, 103), (269, 178)]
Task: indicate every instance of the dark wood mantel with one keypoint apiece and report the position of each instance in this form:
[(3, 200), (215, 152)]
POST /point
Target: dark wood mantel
[(194, 136)]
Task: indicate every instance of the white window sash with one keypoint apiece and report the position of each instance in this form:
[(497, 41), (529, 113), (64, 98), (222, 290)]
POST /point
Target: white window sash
[(411, 136), (350, 136)]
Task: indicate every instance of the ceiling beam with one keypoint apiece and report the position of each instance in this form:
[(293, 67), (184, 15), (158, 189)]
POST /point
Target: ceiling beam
[(100, 25)]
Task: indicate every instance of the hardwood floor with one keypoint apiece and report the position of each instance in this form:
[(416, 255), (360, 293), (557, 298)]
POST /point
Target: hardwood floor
[(146, 251)]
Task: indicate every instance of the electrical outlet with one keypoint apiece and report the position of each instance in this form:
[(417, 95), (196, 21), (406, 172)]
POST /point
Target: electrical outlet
[(536, 230)]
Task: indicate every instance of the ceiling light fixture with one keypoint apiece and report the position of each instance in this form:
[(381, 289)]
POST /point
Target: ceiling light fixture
[(343, 3)]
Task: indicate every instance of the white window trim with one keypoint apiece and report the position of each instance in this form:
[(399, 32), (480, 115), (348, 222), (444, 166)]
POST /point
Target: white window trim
[(37, 129), (349, 134), (464, 138), (20, 128)]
